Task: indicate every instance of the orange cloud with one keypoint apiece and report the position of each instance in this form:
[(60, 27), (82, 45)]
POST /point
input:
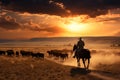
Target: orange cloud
[(9, 23), (19, 25)]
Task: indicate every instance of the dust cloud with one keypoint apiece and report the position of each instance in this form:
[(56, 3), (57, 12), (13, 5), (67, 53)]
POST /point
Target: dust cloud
[(107, 58)]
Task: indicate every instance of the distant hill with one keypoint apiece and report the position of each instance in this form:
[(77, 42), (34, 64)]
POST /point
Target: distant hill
[(52, 38), (6, 40), (105, 38)]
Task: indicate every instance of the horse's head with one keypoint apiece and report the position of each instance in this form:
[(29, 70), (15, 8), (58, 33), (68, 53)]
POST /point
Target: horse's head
[(74, 47)]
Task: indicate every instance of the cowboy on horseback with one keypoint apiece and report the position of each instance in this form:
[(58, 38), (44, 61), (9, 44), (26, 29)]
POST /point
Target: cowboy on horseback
[(81, 53), (80, 45)]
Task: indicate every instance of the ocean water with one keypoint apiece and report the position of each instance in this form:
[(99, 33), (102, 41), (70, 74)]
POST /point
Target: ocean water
[(45, 44)]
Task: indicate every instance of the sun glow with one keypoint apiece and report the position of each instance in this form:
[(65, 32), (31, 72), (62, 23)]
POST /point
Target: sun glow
[(75, 27)]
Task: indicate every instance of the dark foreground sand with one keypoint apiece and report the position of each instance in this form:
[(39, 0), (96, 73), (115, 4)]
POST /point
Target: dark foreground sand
[(27, 68)]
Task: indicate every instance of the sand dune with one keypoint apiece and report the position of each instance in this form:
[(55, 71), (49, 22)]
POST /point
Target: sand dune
[(27, 68)]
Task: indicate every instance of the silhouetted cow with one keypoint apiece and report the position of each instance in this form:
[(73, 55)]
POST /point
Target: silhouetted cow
[(10, 52), (25, 53), (64, 56), (17, 53), (50, 53), (2, 52), (55, 53), (58, 54), (37, 55)]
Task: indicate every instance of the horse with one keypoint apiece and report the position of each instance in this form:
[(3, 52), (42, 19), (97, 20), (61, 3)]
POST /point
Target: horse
[(83, 54)]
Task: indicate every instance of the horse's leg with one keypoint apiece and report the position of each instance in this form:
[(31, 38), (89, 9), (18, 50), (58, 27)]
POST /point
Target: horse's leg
[(84, 62), (78, 61), (88, 63)]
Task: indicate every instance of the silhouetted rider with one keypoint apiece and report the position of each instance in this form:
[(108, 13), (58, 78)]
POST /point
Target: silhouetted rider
[(80, 45)]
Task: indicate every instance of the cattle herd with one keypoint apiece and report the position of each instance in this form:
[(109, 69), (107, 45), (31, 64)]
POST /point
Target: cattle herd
[(52, 53), (21, 53), (58, 54)]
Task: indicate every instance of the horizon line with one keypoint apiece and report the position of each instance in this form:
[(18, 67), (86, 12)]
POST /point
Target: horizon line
[(58, 37)]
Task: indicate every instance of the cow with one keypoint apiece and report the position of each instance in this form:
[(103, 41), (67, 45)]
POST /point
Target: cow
[(10, 52), (2, 52), (58, 54), (25, 53), (37, 55), (64, 56), (17, 53)]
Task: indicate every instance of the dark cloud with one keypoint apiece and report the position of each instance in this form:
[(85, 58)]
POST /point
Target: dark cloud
[(92, 8), (35, 6), (9, 23), (5, 2)]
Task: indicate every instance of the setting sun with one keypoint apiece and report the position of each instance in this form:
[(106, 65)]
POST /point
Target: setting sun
[(75, 27)]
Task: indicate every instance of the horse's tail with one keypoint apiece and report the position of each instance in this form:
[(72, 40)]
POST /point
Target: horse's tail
[(88, 53)]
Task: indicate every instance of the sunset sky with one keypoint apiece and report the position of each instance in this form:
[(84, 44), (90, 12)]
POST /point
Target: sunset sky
[(24, 19)]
